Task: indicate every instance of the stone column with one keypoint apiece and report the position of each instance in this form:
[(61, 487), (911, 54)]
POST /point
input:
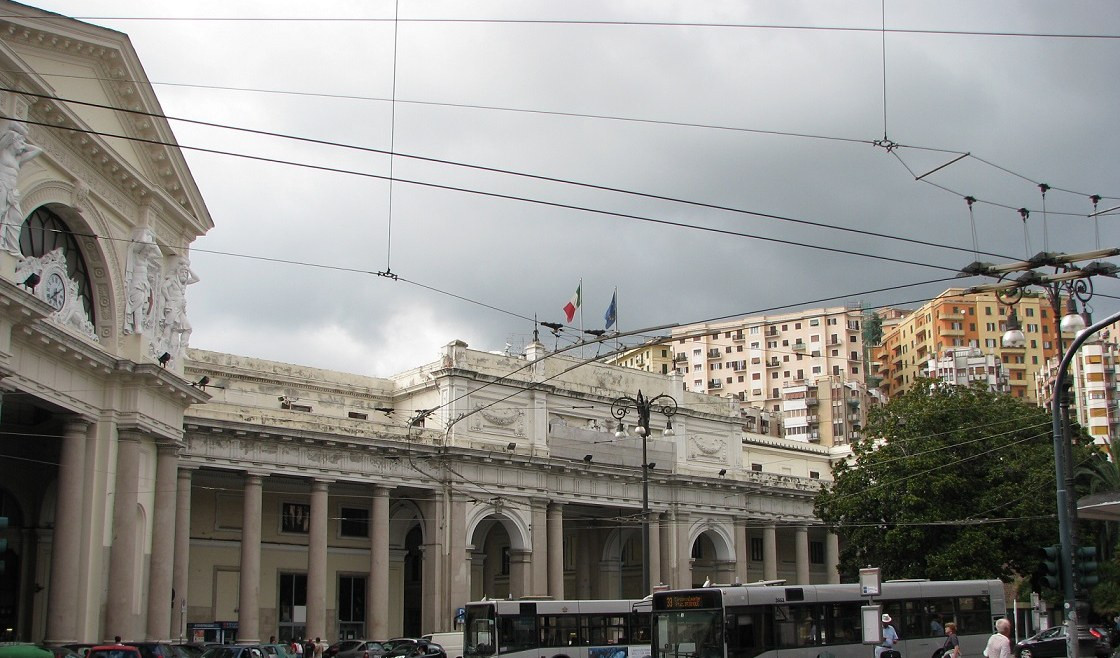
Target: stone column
[(665, 526), (539, 531), (120, 600), (519, 572), (377, 598), (160, 600), (249, 591), (181, 572), (684, 551), (742, 551), (769, 552), (62, 597), (801, 554), (654, 550), (459, 559), (832, 556), (556, 551), (317, 562)]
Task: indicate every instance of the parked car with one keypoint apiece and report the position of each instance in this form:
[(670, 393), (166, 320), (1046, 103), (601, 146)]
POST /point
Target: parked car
[(23, 650), (452, 643), (1051, 643), (80, 649), (236, 651), (364, 649), (278, 650), (113, 651), (342, 645), (155, 649), (413, 648), (190, 649)]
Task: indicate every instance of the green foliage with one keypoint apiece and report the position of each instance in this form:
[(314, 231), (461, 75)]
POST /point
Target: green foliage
[(1105, 597), (947, 483)]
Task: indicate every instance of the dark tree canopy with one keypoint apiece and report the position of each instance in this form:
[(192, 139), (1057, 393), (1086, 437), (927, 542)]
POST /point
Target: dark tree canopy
[(947, 483)]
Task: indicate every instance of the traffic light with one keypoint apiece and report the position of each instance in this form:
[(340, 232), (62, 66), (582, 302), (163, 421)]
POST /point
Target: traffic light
[(1086, 567), (3, 542), (1050, 568)]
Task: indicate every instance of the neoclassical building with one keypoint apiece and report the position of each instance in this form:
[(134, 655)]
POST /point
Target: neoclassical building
[(156, 491)]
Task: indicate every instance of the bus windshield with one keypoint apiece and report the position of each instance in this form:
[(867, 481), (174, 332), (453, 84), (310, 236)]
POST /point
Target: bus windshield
[(689, 634)]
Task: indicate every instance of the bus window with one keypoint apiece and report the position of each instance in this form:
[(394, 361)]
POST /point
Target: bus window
[(974, 615), (604, 629), (559, 631), (517, 633), (938, 613), (797, 626), (639, 628), (746, 632), (842, 623)]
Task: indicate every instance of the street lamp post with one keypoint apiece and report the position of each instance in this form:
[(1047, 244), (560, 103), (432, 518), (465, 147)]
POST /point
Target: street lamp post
[(1074, 283), (622, 406)]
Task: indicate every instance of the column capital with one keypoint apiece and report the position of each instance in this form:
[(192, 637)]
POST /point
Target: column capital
[(76, 423), (258, 473), (382, 490), (130, 435)]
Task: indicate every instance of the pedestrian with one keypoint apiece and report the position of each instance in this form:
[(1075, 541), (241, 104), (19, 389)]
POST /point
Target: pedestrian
[(890, 638), (999, 644), (272, 639), (952, 646), (297, 646), (320, 647)]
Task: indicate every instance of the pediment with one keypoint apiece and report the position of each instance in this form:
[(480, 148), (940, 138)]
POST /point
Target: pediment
[(76, 76)]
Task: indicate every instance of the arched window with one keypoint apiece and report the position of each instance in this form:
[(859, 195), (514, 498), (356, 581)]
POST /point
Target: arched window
[(43, 232)]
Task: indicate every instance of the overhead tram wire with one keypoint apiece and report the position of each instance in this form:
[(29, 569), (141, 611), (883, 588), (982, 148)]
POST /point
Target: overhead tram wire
[(551, 179), (894, 147), (507, 197), (588, 22)]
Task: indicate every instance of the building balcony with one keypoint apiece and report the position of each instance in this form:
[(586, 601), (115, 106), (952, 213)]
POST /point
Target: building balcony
[(677, 358), (773, 363), (799, 346), (812, 400), (738, 336), (952, 332), (714, 354), (715, 383)]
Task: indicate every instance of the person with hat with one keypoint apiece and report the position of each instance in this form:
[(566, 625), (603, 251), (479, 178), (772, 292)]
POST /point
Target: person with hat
[(890, 637)]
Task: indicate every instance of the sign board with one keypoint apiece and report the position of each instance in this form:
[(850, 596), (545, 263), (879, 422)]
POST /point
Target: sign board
[(869, 581), (872, 618)]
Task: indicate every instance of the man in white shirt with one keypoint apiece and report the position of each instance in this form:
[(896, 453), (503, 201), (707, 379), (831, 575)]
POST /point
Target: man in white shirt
[(999, 644)]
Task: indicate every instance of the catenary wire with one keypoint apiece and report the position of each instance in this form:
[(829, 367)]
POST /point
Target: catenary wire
[(507, 197), (551, 179)]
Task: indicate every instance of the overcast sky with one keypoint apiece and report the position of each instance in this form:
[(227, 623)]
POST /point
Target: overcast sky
[(767, 107)]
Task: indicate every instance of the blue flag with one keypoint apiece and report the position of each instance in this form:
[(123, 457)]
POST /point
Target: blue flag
[(612, 311)]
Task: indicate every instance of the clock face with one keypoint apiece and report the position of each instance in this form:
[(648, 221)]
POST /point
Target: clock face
[(54, 291)]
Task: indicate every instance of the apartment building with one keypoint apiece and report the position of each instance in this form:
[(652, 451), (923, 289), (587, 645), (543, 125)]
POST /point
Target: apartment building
[(650, 358), (1096, 385), (967, 366), (780, 364), (955, 319)]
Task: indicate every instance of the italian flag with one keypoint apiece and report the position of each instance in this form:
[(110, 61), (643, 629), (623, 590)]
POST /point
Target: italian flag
[(573, 304)]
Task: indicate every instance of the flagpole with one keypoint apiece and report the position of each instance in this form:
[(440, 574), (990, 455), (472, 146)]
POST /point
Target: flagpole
[(582, 350), (617, 327)]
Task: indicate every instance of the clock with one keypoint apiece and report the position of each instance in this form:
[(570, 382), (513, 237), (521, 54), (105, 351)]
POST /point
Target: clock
[(54, 291)]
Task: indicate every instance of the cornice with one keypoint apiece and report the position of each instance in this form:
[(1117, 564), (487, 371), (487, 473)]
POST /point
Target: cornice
[(124, 82)]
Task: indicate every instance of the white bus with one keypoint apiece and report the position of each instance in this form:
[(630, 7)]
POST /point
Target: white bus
[(557, 629), (821, 621)]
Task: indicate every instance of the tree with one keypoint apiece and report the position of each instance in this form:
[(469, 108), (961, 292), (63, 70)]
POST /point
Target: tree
[(947, 483)]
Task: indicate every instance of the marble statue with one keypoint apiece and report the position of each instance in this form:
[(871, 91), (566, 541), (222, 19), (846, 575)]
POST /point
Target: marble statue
[(175, 329), (142, 271), (14, 151)]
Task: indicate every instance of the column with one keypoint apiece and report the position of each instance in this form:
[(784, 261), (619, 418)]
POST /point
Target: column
[(163, 543), (801, 554), (459, 560), (317, 562), (519, 572), (556, 551), (181, 571), (769, 552), (742, 552), (377, 596), (832, 556), (654, 550), (62, 597), (119, 619), (539, 530), (665, 526), (433, 553), (684, 551), (249, 592)]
